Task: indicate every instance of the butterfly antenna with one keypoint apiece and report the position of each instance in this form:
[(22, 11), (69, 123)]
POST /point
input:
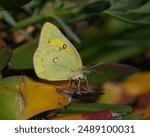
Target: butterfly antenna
[(96, 65), (96, 71), (89, 69)]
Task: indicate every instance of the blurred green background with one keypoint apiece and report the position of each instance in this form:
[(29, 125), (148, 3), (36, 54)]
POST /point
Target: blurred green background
[(101, 30)]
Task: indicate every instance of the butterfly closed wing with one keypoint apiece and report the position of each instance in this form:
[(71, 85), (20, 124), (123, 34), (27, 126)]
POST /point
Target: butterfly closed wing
[(56, 58)]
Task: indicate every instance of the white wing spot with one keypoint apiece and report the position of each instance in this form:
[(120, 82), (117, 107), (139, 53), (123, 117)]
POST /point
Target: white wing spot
[(55, 60)]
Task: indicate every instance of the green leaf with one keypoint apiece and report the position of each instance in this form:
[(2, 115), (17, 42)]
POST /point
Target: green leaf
[(11, 82), (9, 4), (11, 21), (0, 76), (122, 10), (118, 53), (19, 97), (30, 21), (22, 56), (5, 54), (67, 30), (9, 98), (0, 14), (133, 18), (8, 18), (125, 5), (48, 17), (94, 7), (144, 9), (94, 55), (9, 103), (93, 107), (58, 4), (133, 117)]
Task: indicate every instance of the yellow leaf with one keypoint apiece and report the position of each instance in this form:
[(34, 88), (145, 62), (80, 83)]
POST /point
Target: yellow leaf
[(137, 84), (40, 97), (135, 88), (112, 93), (23, 98)]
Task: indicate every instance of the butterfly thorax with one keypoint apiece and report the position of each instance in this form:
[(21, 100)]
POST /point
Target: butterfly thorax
[(78, 74)]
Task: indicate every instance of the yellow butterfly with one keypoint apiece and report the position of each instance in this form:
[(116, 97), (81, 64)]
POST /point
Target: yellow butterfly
[(56, 58)]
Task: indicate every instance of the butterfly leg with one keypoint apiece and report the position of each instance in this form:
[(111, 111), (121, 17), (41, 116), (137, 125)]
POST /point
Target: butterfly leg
[(85, 86), (72, 88), (78, 87), (69, 84)]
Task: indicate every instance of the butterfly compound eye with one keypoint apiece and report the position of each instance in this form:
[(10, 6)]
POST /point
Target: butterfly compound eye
[(64, 46)]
